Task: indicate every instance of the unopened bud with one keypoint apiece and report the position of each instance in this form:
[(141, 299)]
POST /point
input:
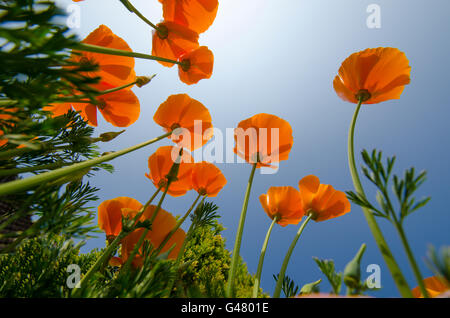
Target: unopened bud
[(108, 136), (143, 80), (352, 272), (310, 288)]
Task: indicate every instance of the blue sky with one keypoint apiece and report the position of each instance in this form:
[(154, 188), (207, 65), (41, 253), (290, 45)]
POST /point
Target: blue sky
[(280, 57)]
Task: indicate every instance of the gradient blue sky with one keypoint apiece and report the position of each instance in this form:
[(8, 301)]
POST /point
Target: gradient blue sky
[(280, 57)]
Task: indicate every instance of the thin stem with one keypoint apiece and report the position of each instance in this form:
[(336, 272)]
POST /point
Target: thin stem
[(412, 260), (30, 182), (276, 293), (131, 8), (237, 243), (396, 273), (102, 259), (110, 51), (79, 98), (8, 172), (179, 223), (146, 230), (261, 258)]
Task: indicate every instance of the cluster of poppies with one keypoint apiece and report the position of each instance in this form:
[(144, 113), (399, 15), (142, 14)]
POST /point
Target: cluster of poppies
[(176, 38), (177, 112), (175, 41)]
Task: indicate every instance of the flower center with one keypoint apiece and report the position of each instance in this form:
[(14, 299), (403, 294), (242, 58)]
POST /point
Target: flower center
[(363, 95), (101, 103), (185, 65), (202, 191), (163, 31)]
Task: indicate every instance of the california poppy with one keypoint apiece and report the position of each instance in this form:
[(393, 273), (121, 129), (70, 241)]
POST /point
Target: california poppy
[(196, 65), (322, 200), (110, 214), (188, 117), (171, 40), (284, 203), (207, 179), (160, 164), (114, 70), (434, 287), (374, 75), (163, 223), (263, 138), (120, 108), (197, 15)]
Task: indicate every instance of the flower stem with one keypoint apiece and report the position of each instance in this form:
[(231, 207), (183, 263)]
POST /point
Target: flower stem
[(180, 255), (237, 243), (396, 273), (412, 260), (27, 183), (177, 226), (102, 259), (110, 51), (261, 258), (144, 233), (8, 172), (277, 292), (131, 8)]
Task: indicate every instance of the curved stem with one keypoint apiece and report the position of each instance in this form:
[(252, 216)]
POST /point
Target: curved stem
[(261, 258), (277, 292), (396, 273), (132, 8), (110, 51), (27, 183), (412, 260), (237, 243)]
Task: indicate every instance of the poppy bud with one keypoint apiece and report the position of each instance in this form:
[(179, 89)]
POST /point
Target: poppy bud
[(352, 271), (310, 288), (173, 173), (108, 136), (143, 80)]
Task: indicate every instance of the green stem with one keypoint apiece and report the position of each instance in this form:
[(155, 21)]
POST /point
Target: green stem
[(101, 260), (261, 258), (30, 182), (8, 172), (145, 232), (237, 243), (277, 292), (412, 260), (179, 223), (110, 51), (396, 273), (80, 98), (131, 8)]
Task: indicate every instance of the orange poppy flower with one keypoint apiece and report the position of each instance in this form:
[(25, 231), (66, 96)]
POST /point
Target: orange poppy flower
[(110, 214), (190, 116), (172, 40), (197, 65), (114, 70), (434, 287), (375, 75), (161, 227), (207, 179), (197, 15), (264, 138), (283, 202), (120, 108), (160, 164), (322, 200)]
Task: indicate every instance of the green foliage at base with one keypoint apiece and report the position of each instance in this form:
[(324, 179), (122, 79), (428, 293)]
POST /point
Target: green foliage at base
[(38, 268)]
